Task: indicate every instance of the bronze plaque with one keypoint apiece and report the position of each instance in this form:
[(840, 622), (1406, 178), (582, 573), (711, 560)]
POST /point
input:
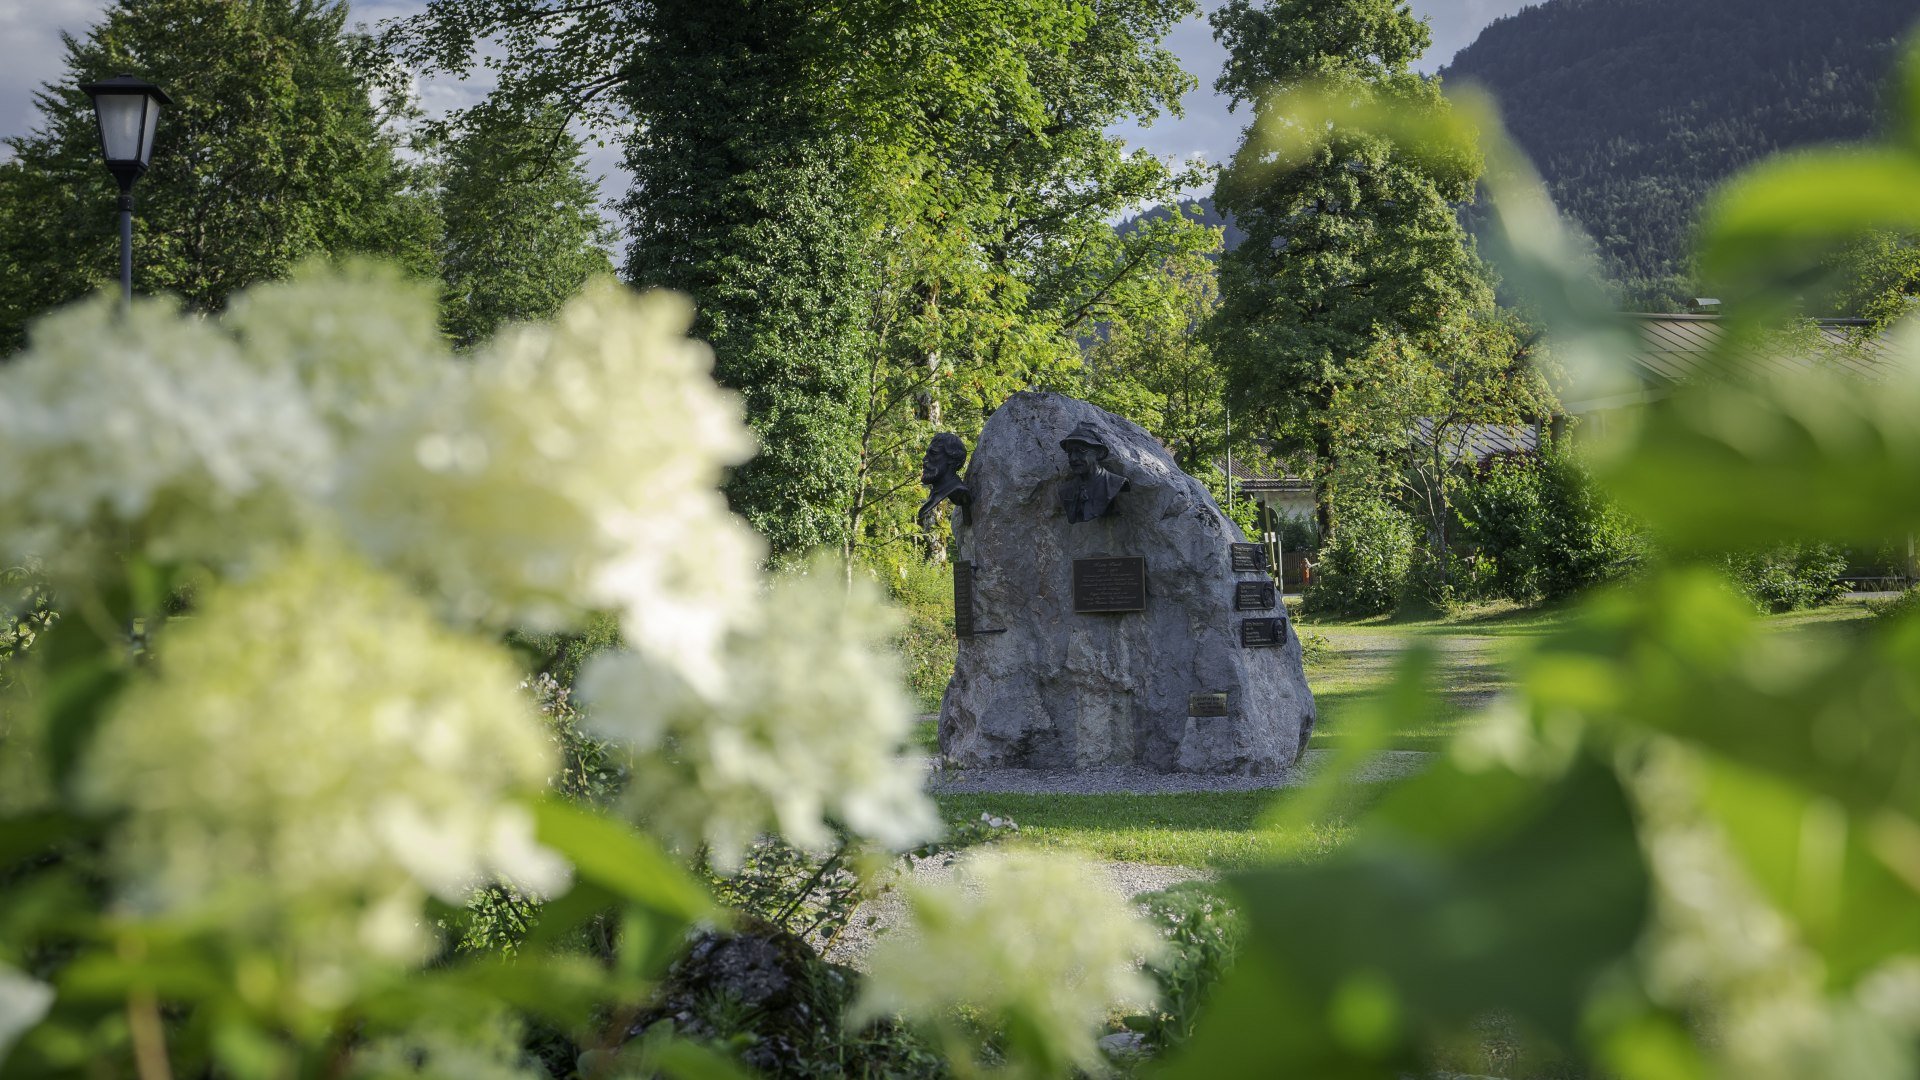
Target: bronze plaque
[(963, 599), (1254, 596), (1110, 583), (1249, 559), (1263, 633), (1210, 704)]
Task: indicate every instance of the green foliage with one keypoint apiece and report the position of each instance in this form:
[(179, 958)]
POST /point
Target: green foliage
[(1634, 110), (26, 612), (1363, 568), (1669, 768), (740, 200), (1790, 578), (890, 218), (1204, 935), (1149, 364), (1899, 607), (927, 647), (1878, 279), (1352, 241), (1544, 529), (812, 896), (522, 230), (271, 154)]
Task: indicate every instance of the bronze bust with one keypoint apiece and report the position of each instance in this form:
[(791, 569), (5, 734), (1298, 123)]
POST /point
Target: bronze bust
[(940, 475), (1092, 491)]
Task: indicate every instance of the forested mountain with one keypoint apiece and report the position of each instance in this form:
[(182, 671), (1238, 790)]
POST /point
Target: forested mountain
[(1634, 109)]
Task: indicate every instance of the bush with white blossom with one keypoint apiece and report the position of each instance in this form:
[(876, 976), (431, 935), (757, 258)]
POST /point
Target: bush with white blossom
[(1036, 940), (273, 745)]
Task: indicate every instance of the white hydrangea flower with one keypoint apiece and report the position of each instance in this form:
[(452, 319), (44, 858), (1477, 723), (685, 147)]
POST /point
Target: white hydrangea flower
[(570, 466), (807, 725), (1017, 933), (149, 431), (363, 339), (315, 755)]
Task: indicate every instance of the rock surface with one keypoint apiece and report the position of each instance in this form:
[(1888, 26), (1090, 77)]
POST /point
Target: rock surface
[(1060, 689)]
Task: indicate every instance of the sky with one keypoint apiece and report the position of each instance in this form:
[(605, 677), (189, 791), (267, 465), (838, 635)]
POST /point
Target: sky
[(31, 54)]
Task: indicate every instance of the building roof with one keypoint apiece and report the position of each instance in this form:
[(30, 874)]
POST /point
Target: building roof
[(1477, 442), (1676, 348)]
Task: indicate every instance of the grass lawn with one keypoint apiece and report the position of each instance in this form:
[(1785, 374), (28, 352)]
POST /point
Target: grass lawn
[(1354, 661), (1357, 662), (1221, 830)]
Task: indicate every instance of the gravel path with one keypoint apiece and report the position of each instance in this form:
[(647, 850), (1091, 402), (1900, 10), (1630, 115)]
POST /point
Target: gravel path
[(886, 912), (1131, 779)]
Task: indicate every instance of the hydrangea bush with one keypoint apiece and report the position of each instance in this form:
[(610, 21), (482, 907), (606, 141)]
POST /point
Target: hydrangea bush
[(273, 745)]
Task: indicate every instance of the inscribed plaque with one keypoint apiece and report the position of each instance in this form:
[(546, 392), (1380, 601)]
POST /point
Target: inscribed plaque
[(1109, 584), (1263, 633), (963, 599), (1249, 558), (1254, 596), (1210, 704)]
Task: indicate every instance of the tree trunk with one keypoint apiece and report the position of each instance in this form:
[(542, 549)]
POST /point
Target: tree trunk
[(1323, 489)]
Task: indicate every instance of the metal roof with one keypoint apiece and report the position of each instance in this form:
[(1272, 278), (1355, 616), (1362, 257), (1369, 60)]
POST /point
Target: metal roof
[(1477, 442), (1677, 348)]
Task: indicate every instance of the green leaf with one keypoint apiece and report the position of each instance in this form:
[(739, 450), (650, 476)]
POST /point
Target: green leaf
[(619, 859), (1420, 928), (1813, 456), (33, 835), (1769, 231), (1907, 103), (1815, 863)]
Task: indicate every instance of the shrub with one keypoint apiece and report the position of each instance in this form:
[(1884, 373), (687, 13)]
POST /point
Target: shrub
[(1364, 565), (1898, 606), (1545, 528), (1790, 577), (924, 591), (1203, 934)]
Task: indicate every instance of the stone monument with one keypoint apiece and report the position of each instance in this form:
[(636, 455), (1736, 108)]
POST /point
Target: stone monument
[(1108, 612)]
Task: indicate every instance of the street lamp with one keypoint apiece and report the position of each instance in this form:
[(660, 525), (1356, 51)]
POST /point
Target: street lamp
[(126, 109)]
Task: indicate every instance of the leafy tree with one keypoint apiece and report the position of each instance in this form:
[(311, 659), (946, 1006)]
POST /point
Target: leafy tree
[(1154, 368), (272, 153), (1878, 278), (522, 226), (1351, 239), (889, 217), (742, 201)]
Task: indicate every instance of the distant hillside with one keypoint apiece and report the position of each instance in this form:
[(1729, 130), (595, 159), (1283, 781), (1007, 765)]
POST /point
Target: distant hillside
[(1634, 109)]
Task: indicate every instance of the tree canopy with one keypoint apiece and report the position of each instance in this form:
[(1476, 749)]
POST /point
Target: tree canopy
[(1352, 241), (271, 154)]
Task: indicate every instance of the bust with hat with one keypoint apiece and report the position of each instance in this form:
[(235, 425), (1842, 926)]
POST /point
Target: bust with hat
[(1092, 491)]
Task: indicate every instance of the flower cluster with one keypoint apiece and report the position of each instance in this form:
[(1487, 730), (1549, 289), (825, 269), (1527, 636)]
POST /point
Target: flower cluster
[(314, 756), (151, 432), (806, 727), (1020, 934), (570, 466), (361, 340)]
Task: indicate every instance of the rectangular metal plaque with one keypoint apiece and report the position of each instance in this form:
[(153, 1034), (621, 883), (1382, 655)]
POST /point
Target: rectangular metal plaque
[(1254, 596), (1110, 583), (963, 599), (1211, 704), (1263, 633), (1249, 558)]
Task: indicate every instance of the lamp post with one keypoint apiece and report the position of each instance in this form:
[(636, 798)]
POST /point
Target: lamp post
[(127, 110)]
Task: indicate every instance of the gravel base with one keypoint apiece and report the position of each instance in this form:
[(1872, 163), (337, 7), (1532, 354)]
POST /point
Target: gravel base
[(885, 913), (1132, 779)]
